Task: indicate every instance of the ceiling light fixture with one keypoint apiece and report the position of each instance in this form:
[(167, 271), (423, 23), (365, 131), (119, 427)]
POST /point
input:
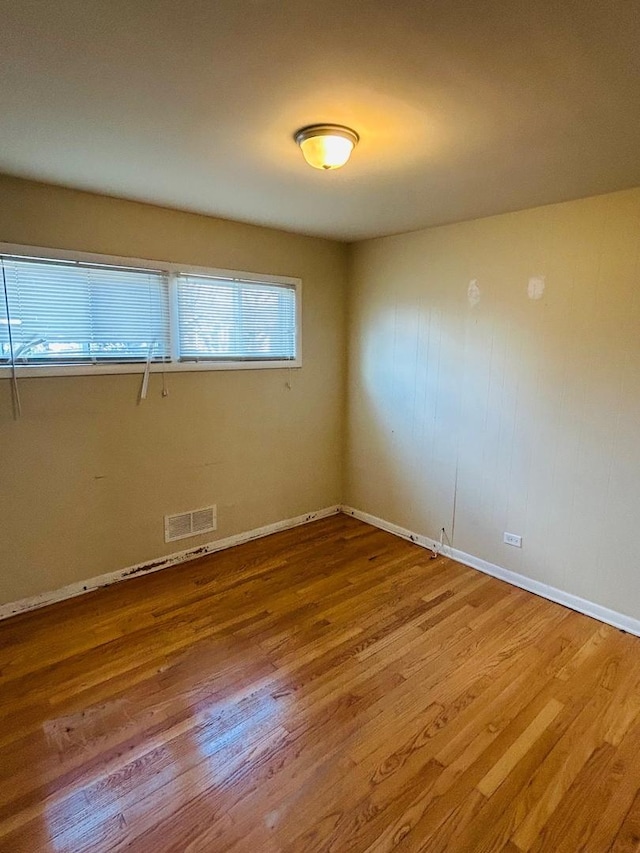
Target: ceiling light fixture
[(326, 146)]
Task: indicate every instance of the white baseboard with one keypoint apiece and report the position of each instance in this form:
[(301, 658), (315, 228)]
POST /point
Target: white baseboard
[(402, 532), (574, 602), (80, 587)]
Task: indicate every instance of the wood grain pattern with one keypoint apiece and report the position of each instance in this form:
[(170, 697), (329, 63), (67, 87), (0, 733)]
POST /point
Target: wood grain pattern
[(330, 688)]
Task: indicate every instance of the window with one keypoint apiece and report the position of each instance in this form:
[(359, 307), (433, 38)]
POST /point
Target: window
[(235, 320), (70, 313), (82, 314)]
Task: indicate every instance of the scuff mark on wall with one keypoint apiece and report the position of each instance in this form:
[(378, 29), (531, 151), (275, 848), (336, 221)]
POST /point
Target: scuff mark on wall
[(536, 286), (473, 292)]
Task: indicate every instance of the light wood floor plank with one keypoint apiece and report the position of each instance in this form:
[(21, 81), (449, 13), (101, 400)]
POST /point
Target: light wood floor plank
[(329, 688)]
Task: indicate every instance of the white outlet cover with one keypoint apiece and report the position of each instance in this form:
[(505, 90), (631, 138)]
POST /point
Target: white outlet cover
[(513, 539)]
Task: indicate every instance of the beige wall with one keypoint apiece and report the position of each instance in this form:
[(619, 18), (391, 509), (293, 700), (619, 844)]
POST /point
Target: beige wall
[(86, 475), (532, 406), (523, 414)]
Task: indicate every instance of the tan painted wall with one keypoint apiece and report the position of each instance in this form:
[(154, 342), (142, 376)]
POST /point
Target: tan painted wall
[(86, 475), (535, 403)]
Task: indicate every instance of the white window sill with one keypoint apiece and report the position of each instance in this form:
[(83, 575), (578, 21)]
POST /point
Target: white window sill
[(28, 372)]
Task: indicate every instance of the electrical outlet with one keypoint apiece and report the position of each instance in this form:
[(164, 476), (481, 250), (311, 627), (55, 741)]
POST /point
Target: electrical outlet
[(513, 539)]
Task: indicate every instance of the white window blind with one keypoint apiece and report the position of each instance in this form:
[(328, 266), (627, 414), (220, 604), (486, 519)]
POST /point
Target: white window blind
[(222, 319), (65, 313), (68, 312)]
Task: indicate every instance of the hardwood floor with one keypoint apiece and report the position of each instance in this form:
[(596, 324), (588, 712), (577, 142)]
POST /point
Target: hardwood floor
[(329, 688)]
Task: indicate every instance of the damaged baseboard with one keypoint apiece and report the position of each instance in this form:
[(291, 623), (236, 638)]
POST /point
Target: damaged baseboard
[(574, 602), (80, 587)]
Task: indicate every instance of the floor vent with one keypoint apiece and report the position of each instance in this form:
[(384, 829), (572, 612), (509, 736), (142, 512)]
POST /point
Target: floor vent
[(189, 523)]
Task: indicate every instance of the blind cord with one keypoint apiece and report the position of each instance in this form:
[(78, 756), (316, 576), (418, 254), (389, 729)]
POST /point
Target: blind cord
[(147, 370), (17, 405)]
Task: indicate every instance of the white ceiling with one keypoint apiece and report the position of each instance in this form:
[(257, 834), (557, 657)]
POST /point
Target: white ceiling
[(464, 108)]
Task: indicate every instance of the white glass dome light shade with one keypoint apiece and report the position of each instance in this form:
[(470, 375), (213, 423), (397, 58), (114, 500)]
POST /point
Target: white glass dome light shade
[(326, 152), (326, 146)]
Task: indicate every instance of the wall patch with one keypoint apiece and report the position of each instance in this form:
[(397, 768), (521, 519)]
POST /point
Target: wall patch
[(473, 292), (535, 288)]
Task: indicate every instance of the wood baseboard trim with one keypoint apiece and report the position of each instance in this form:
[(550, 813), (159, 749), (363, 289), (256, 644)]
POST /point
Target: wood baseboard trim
[(574, 602), (80, 587)]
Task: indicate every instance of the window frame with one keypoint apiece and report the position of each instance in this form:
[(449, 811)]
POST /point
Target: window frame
[(172, 270)]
